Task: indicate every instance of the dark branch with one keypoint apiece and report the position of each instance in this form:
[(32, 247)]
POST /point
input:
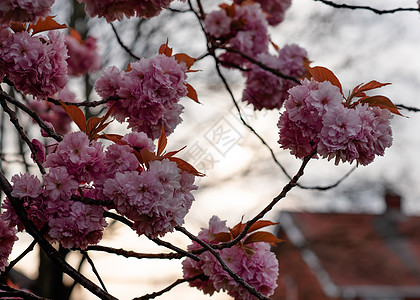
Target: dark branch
[(376, 11), (128, 253), (168, 288)]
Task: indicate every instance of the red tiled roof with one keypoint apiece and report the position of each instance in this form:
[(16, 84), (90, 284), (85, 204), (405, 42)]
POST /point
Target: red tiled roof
[(361, 251)]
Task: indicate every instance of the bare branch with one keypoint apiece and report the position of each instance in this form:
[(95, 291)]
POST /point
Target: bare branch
[(376, 11)]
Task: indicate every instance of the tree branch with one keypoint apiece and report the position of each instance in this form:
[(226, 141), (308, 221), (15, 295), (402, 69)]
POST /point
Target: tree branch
[(376, 11)]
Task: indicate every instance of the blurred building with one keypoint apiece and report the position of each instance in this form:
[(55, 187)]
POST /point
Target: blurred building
[(349, 256)]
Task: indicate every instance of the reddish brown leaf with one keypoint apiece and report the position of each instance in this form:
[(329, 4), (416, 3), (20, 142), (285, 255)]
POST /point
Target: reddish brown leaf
[(235, 231), (128, 68), (229, 9), (192, 94), (183, 165), (262, 236), (76, 115), (74, 33), (182, 57), (321, 74), (165, 49), (162, 142), (116, 138), (275, 46), (18, 26), (260, 224), (91, 125), (359, 90), (172, 153), (148, 156), (382, 102), (222, 237), (45, 24)]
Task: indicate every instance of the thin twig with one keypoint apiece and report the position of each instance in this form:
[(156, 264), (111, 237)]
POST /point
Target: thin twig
[(128, 253), (376, 11), (32, 114), (155, 240), (122, 44), (24, 137), (168, 288), (3, 275), (95, 271), (7, 292)]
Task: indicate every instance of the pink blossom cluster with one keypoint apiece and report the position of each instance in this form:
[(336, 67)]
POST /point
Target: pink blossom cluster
[(83, 56), (23, 10), (259, 269), (275, 9), (267, 90), (149, 94), (156, 199), (35, 65), (7, 240), (245, 30), (54, 115), (117, 9), (73, 224), (318, 117)]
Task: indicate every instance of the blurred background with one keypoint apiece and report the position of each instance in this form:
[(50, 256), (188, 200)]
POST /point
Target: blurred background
[(242, 178)]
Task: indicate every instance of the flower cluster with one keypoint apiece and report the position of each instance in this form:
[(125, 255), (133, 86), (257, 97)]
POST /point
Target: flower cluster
[(35, 65), (267, 90), (318, 117), (244, 27), (23, 10), (83, 56), (7, 240), (258, 267), (149, 93), (275, 9), (73, 224), (157, 199), (115, 10)]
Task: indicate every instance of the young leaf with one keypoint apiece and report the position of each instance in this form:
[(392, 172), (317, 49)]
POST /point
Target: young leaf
[(18, 26), (45, 24), (183, 165), (91, 125), (148, 156), (116, 138), (162, 142), (222, 237), (182, 57), (76, 115), (172, 153), (262, 236), (321, 74), (74, 33), (275, 46), (260, 224), (192, 94), (235, 231), (382, 102), (164, 49), (359, 90)]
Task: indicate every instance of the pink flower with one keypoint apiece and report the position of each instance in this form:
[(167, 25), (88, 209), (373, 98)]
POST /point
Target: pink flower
[(274, 9), (149, 94), (218, 23), (83, 56), (250, 35), (26, 185), (24, 10), (267, 90), (117, 9), (7, 240), (157, 199), (139, 141), (35, 67), (40, 151), (78, 227), (59, 184)]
